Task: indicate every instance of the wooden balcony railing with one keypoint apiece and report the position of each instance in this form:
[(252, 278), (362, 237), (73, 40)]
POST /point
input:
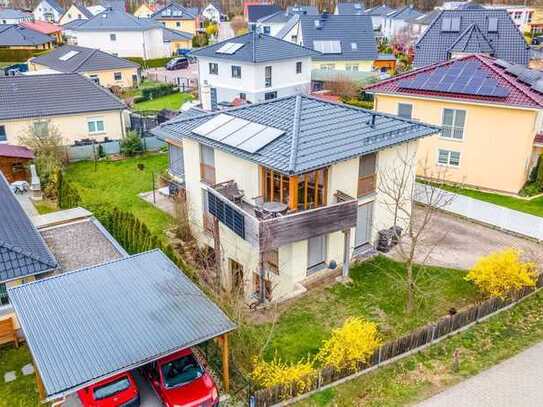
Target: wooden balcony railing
[(366, 185), (207, 174)]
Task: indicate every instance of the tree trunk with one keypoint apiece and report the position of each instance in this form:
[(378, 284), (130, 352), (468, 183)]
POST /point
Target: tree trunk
[(410, 304)]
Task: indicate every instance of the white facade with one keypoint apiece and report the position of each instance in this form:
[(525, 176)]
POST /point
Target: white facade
[(211, 13), (147, 44), (285, 80), (45, 12), (521, 15), (270, 28), (15, 20), (392, 27)]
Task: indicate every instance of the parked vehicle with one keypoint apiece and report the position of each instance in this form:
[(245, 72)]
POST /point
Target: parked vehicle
[(180, 381), (119, 390), (177, 63), (537, 40), (183, 51)]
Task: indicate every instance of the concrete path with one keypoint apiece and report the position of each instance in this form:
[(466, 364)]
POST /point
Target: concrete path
[(26, 203), (514, 382)]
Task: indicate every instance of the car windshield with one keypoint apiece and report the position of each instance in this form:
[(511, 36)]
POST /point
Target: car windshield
[(181, 371), (110, 389)]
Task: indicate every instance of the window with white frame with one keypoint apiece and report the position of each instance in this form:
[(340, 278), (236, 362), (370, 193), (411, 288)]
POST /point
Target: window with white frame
[(41, 128), (351, 67), (298, 67), (405, 110), (95, 125), (268, 76), (118, 76), (328, 67), (236, 71), (213, 68), (113, 37), (453, 123), (448, 157)]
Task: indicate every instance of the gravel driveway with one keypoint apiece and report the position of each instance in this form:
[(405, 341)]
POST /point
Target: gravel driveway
[(450, 241)]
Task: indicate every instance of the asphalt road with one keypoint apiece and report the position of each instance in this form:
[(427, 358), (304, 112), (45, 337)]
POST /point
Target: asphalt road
[(516, 382)]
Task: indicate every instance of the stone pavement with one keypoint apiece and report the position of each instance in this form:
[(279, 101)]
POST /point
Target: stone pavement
[(516, 382)]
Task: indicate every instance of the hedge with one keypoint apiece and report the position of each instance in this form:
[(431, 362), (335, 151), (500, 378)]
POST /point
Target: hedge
[(157, 91), (20, 55), (150, 63)]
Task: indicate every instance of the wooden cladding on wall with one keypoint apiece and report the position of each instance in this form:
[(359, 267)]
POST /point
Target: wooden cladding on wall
[(283, 230)]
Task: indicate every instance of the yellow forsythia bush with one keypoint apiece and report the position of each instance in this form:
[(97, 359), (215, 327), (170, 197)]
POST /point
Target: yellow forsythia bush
[(269, 374), (352, 343), (500, 272)]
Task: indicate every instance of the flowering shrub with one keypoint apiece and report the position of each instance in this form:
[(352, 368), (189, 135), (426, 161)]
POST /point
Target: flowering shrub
[(352, 343), (269, 374), (500, 272)]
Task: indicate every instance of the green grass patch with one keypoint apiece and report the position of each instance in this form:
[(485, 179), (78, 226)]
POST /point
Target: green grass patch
[(118, 183), (22, 392), (424, 374), (45, 207), (377, 293), (172, 102), (533, 207)]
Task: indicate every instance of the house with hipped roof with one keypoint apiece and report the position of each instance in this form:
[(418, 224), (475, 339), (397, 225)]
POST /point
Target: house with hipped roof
[(177, 17), (48, 10), (46, 28), (252, 67), (13, 36), (491, 114), (286, 191)]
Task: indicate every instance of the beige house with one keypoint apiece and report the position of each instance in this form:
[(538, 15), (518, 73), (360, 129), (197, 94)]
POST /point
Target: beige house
[(177, 17), (286, 191), (144, 11), (491, 114), (75, 106), (77, 11), (105, 69)]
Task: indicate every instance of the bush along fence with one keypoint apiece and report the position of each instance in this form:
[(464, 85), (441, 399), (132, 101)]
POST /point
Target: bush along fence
[(389, 351)]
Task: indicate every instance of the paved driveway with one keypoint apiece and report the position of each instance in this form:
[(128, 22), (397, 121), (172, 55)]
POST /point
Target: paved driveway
[(450, 241), (515, 382)]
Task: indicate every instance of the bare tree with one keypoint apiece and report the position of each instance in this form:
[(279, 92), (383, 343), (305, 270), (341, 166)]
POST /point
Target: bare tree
[(399, 192), (343, 87)]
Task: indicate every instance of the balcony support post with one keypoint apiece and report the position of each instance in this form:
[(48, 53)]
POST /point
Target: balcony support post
[(346, 253)]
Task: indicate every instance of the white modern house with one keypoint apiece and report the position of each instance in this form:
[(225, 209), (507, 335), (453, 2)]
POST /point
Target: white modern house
[(286, 191), (48, 10), (252, 67), (121, 34), (378, 15), (397, 21), (14, 16), (213, 12)]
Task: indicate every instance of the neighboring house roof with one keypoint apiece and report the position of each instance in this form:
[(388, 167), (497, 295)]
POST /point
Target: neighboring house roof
[(350, 9), (404, 13), (118, 20), (354, 34), (425, 19), (473, 41), (506, 40), (174, 11), (519, 86), (71, 58), (315, 134), (23, 251), (381, 10), (50, 95), (217, 5), (118, 5), (12, 35), (8, 150), (82, 9), (55, 5), (11, 13), (97, 9), (470, 5), (538, 139), (143, 302), (256, 47), (175, 35), (303, 10), (283, 16), (73, 23), (256, 11), (43, 27)]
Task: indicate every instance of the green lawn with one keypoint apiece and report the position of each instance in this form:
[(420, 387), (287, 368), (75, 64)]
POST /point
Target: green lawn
[(45, 207), (533, 207), (118, 183), (426, 373), (377, 294), (172, 102), (22, 392)]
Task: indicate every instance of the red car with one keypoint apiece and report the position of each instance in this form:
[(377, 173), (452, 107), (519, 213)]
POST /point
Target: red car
[(117, 391), (180, 381)]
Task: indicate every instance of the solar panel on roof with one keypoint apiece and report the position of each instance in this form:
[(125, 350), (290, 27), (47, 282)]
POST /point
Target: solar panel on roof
[(229, 48), (515, 69), (211, 125), (327, 47), (262, 139), (538, 86)]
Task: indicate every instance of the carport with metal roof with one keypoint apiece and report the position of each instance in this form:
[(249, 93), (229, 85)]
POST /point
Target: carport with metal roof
[(90, 324)]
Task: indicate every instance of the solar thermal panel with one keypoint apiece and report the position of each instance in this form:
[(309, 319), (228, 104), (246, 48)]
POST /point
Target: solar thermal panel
[(212, 124)]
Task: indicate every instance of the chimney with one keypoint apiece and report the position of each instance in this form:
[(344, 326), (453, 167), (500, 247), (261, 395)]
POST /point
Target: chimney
[(205, 97)]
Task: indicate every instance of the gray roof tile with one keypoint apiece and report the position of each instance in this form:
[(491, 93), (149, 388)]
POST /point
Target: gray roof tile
[(174, 11), (23, 251), (381, 10), (508, 43), (175, 35), (346, 29), (49, 95), (257, 11), (257, 48), (16, 35), (283, 16), (56, 5), (85, 325), (317, 132), (404, 13), (349, 9), (87, 59), (6, 13), (118, 20)]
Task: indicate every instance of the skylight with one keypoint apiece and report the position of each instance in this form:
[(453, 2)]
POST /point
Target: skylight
[(229, 48), (354, 45), (68, 55)]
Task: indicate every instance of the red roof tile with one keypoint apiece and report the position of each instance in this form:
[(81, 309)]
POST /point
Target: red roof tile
[(41, 27), (8, 150), (520, 94)]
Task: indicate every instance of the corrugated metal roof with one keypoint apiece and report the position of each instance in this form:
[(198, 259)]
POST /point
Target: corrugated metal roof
[(16, 35), (23, 251), (85, 325), (357, 29), (317, 133), (508, 42), (86, 59), (25, 96), (257, 48)]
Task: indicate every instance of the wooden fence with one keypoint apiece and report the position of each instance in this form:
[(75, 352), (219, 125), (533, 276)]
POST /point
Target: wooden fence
[(404, 345)]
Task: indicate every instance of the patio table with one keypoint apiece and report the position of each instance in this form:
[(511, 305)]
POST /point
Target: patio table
[(274, 208)]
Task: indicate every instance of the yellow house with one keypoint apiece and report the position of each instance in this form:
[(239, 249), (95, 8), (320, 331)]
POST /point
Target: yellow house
[(177, 17), (144, 11), (177, 40), (76, 107), (491, 119), (105, 69)]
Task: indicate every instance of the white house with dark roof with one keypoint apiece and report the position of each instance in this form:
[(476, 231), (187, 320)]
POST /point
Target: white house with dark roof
[(48, 10), (77, 11), (252, 67), (281, 20), (14, 16), (397, 22), (214, 12), (378, 15), (287, 190)]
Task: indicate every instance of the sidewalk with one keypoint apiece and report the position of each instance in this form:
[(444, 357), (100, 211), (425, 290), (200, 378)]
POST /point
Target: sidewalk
[(514, 382)]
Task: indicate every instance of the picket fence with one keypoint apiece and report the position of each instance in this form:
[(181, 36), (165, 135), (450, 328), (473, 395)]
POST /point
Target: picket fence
[(400, 347)]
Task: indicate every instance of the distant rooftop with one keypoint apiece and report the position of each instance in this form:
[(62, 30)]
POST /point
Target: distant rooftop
[(12, 35), (174, 11), (350, 9), (257, 11), (119, 20), (11, 13)]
